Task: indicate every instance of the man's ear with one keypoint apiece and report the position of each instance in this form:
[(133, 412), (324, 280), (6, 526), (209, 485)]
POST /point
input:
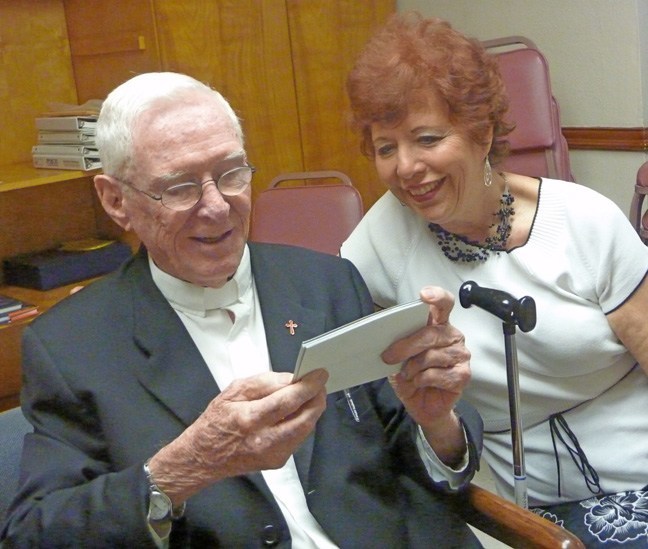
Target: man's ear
[(111, 196)]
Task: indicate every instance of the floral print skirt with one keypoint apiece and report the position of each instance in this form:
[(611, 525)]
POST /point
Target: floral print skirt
[(612, 520)]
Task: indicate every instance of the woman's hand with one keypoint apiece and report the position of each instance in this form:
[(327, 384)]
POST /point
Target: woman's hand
[(435, 372)]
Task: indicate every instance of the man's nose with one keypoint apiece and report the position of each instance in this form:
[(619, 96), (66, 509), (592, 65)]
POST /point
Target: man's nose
[(212, 199)]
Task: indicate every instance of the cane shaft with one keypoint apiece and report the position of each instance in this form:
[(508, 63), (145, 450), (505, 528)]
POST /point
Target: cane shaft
[(513, 384)]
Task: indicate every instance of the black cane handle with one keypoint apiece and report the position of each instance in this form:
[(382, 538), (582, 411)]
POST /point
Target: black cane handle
[(520, 312)]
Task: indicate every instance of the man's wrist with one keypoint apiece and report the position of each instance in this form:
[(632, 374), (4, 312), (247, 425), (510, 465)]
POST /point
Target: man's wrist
[(450, 478), (460, 461), (160, 508), (447, 438)]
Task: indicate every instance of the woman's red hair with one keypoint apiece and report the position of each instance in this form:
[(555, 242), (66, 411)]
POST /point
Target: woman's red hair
[(411, 56)]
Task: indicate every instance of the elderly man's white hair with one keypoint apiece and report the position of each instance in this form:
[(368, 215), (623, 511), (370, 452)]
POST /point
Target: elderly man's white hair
[(129, 100)]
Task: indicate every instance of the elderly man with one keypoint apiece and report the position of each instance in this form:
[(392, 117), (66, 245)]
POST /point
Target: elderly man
[(162, 399)]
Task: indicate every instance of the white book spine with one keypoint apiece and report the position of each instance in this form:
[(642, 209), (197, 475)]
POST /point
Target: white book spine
[(69, 150), (66, 162), (65, 123), (66, 137)]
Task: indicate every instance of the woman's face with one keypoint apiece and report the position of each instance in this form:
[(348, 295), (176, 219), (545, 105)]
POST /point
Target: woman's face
[(432, 166)]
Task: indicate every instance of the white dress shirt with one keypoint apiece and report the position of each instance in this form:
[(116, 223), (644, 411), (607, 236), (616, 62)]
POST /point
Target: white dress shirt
[(234, 346)]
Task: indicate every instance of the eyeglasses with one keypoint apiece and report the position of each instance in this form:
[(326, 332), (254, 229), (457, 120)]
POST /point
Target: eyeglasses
[(184, 196)]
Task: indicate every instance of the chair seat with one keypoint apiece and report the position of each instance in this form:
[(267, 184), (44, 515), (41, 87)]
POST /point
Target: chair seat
[(13, 427)]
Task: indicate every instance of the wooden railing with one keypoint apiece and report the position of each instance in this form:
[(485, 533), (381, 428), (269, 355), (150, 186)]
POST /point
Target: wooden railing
[(607, 139)]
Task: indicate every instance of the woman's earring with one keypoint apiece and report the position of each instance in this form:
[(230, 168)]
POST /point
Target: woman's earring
[(488, 173)]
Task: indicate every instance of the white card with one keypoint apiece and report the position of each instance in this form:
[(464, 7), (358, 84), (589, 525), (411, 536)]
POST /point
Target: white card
[(351, 353)]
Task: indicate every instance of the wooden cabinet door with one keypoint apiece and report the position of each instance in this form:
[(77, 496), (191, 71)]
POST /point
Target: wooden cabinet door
[(241, 48), (110, 41), (325, 38)]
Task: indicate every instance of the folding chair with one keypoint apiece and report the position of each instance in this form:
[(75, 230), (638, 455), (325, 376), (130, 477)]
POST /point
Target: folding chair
[(639, 222), (538, 147), (13, 427), (318, 215)]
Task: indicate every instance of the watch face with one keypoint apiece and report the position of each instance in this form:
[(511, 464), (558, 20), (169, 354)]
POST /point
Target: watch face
[(159, 506)]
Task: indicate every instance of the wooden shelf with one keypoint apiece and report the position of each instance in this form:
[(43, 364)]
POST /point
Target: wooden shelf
[(24, 175), (11, 335), (43, 299), (36, 220)]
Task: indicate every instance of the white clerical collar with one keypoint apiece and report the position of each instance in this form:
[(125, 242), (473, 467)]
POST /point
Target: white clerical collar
[(197, 300)]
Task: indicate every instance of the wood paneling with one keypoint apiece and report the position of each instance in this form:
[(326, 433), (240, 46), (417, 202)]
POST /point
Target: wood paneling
[(241, 48), (326, 37), (35, 70), (111, 41), (282, 65), (37, 218), (607, 139)]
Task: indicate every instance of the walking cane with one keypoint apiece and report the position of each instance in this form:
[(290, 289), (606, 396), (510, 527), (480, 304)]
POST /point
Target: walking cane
[(512, 312)]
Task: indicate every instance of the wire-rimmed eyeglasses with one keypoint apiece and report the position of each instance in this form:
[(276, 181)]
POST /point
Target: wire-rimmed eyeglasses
[(184, 196)]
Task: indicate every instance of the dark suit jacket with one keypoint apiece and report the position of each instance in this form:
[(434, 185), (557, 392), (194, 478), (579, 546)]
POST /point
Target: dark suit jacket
[(111, 375)]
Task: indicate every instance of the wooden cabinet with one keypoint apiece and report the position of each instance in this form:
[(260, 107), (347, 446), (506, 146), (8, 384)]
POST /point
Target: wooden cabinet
[(35, 71), (38, 210), (10, 340), (281, 63)]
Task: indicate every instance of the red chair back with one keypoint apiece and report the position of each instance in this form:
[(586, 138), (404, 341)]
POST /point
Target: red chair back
[(538, 147), (319, 215), (640, 222)]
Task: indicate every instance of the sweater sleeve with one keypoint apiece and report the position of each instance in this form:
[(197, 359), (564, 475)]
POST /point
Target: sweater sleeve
[(609, 248)]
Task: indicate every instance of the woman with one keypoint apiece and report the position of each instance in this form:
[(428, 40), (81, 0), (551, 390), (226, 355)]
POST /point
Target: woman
[(429, 104)]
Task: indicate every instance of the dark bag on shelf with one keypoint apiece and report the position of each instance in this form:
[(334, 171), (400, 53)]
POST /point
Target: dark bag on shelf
[(53, 268)]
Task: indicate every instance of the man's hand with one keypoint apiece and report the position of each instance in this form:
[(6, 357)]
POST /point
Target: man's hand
[(256, 423), (435, 372)]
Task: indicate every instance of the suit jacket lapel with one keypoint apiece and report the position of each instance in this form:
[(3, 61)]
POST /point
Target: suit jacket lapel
[(281, 303), (173, 368), (175, 372)]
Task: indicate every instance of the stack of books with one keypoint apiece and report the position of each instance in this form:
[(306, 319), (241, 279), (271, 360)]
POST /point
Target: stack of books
[(66, 143), (13, 310)]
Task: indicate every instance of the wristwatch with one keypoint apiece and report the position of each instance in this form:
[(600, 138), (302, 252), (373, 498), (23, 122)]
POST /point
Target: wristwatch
[(161, 511)]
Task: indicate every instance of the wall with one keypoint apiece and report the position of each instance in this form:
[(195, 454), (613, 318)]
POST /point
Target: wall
[(642, 15), (598, 57)]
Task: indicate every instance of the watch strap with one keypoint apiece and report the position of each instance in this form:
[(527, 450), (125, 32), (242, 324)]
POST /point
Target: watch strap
[(161, 509)]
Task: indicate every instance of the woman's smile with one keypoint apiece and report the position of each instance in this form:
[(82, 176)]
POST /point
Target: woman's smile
[(425, 191)]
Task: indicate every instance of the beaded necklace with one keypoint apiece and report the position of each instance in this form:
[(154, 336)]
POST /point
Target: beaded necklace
[(459, 249)]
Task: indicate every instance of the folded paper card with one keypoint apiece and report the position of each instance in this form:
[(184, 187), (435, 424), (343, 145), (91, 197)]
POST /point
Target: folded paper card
[(351, 353)]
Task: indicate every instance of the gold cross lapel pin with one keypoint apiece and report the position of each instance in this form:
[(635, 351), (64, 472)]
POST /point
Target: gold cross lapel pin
[(291, 325)]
